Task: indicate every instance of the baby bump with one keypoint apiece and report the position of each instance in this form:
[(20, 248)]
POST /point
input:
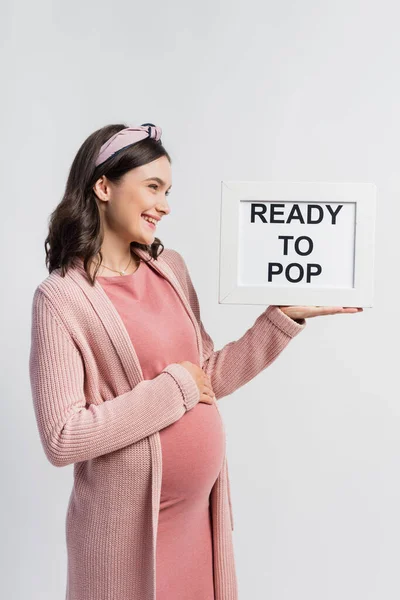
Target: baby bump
[(193, 450)]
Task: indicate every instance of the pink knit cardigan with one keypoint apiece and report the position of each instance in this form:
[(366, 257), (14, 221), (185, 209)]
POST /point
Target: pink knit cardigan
[(94, 409)]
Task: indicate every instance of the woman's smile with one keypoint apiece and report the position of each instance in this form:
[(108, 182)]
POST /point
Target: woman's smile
[(151, 225)]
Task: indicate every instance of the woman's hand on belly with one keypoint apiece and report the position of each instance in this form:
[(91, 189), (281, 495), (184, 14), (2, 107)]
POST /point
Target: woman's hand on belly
[(203, 382)]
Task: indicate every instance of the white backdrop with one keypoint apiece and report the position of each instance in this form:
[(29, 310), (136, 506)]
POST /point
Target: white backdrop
[(285, 91)]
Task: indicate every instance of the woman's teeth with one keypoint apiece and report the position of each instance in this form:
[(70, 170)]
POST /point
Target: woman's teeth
[(152, 222)]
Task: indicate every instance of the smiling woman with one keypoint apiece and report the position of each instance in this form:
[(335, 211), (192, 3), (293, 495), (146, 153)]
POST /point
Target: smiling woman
[(119, 173), (123, 375), (131, 207)]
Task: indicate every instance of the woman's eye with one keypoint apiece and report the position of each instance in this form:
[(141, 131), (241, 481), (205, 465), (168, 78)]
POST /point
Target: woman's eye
[(154, 185)]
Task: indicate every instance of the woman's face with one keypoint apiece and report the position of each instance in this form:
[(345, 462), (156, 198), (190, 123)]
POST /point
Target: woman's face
[(141, 190)]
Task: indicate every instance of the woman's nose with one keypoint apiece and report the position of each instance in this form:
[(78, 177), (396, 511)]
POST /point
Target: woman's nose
[(165, 209)]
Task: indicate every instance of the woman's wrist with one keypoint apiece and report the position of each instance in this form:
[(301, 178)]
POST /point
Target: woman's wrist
[(299, 321)]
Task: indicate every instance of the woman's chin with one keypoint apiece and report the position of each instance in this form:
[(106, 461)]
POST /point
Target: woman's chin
[(144, 239)]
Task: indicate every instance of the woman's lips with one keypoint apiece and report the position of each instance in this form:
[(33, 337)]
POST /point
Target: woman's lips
[(149, 224)]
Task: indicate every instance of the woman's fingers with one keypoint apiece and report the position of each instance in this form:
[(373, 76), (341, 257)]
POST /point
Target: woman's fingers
[(207, 399), (334, 310), (207, 393), (299, 312), (207, 389)]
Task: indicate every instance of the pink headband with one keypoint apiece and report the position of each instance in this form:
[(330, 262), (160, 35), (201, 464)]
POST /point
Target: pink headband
[(126, 137)]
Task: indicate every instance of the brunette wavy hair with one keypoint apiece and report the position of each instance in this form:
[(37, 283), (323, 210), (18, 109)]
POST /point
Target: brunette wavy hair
[(75, 228)]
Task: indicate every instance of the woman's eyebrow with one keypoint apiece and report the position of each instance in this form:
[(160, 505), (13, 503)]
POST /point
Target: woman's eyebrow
[(160, 181)]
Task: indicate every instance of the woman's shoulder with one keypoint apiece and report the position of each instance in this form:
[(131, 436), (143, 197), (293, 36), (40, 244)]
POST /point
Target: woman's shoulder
[(55, 288), (178, 266), (173, 258)]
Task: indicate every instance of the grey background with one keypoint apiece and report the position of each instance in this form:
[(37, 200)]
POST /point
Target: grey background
[(243, 90)]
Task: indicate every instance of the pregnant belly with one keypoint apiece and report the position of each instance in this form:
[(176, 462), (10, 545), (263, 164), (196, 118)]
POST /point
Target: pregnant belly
[(193, 450)]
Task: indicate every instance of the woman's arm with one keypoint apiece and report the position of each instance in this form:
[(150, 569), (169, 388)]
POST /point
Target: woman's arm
[(69, 430), (241, 360)]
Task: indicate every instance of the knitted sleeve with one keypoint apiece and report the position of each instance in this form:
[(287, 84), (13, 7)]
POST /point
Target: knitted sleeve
[(241, 360), (71, 431)]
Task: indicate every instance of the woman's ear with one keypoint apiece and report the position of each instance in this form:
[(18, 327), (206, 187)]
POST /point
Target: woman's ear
[(100, 188)]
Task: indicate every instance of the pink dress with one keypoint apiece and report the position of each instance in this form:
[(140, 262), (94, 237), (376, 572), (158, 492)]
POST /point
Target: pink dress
[(192, 448)]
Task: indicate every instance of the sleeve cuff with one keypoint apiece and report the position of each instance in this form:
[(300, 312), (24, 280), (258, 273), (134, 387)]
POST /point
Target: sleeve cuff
[(283, 322), (186, 383)]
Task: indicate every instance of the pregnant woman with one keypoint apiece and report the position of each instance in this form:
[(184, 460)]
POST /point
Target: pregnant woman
[(125, 383)]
